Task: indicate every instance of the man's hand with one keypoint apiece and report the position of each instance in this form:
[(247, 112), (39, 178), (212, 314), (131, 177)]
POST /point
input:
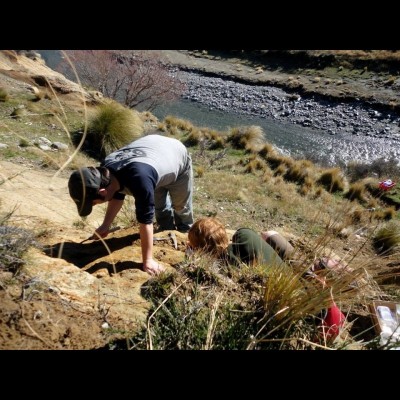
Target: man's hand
[(152, 267), (101, 232)]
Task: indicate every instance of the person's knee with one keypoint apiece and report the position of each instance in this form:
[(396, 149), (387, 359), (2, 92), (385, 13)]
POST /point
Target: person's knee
[(280, 244)]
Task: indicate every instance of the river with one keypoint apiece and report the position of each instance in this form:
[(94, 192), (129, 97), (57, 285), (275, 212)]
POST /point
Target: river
[(327, 132), (336, 134)]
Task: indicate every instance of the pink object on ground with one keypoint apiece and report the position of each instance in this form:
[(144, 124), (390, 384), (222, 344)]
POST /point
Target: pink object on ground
[(333, 321), (386, 185)]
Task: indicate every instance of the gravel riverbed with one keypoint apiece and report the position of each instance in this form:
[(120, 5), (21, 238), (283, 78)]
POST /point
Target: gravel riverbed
[(349, 131)]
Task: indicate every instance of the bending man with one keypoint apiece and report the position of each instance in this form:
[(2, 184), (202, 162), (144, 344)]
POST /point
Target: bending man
[(157, 172)]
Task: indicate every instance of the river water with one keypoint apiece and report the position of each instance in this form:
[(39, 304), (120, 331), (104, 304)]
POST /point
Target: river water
[(348, 131), (335, 133), (289, 139)]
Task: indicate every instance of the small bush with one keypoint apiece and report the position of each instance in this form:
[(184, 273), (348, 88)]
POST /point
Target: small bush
[(245, 137), (199, 171), (296, 173), (385, 214), (111, 127), (379, 167), (24, 143), (356, 192), (332, 180), (266, 150), (387, 237), (13, 244), (4, 96)]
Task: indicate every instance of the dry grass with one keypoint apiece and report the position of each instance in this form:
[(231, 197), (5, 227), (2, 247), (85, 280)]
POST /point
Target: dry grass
[(387, 237), (332, 180), (356, 192), (111, 127), (4, 95), (246, 138)]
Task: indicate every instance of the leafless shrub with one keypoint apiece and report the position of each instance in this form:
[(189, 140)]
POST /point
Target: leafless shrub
[(134, 78)]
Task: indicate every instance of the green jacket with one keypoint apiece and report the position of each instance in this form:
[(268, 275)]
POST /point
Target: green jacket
[(248, 246)]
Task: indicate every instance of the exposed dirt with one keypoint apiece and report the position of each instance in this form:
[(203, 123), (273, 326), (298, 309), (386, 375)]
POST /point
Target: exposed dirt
[(70, 295)]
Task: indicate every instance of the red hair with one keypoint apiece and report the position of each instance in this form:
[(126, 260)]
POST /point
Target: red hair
[(210, 235)]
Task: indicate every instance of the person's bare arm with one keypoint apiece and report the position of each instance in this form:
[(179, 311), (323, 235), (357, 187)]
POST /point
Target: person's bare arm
[(146, 238), (113, 207)]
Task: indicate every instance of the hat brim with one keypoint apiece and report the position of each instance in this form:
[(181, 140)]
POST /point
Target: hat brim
[(85, 208)]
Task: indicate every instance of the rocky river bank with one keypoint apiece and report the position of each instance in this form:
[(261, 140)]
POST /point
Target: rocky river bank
[(376, 131)]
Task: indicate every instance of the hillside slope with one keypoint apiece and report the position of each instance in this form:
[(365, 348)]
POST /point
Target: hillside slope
[(73, 295)]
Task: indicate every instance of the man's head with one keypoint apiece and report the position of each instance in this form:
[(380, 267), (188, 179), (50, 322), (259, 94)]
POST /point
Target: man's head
[(84, 185)]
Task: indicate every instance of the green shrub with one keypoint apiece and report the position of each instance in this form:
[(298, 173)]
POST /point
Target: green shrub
[(111, 127), (24, 142)]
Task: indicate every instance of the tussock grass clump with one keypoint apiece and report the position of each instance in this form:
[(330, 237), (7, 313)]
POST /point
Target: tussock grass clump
[(275, 160), (4, 95), (111, 127), (181, 124), (207, 139), (245, 137), (266, 150), (387, 238), (386, 214), (193, 138), (217, 140), (293, 305), (356, 216), (332, 180), (199, 171), (18, 112), (318, 192), (24, 143), (356, 192), (296, 173), (280, 170), (162, 127), (254, 164), (372, 186)]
